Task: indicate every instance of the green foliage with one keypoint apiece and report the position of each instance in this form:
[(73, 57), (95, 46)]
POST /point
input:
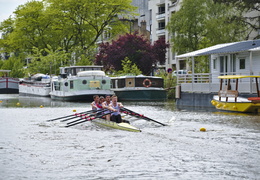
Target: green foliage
[(170, 83), (83, 56), (15, 64), (129, 68), (202, 23), (46, 64), (72, 27)]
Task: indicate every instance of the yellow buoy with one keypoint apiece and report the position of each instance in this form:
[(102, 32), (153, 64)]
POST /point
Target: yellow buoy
[(18, 104), (41, 106), (74, 110), (203, 129), (1, 101)]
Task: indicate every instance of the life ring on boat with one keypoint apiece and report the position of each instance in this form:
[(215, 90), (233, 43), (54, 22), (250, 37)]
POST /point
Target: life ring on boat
[(147, 83)]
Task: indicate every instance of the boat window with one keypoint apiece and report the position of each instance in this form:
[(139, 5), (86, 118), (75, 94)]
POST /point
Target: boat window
[(66, 84), (242, 63), (103, 81), (71, 84), (84, 82), (56, 86)]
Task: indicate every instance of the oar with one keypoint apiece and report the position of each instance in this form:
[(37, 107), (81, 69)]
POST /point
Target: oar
[(77, 115), (81, 117), (88, 119), (141, 116), (70, 115)]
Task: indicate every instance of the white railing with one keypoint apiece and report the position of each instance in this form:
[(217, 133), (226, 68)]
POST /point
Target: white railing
[(160, 16), (209, 83), (194, 78)]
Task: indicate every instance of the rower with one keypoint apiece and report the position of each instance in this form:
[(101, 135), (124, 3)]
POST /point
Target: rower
[(105, 105), (95, 104), (115, 106)]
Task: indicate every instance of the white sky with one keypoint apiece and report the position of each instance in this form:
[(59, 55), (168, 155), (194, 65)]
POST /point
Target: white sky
[(7, 7)]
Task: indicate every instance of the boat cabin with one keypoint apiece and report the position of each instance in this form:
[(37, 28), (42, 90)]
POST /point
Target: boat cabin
[(73, 70), (137, 81)]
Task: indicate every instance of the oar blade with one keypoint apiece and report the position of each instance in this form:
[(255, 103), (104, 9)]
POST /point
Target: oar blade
[(132, 113)]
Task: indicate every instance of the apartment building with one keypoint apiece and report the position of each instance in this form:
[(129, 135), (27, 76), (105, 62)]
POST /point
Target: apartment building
[(160, 13)]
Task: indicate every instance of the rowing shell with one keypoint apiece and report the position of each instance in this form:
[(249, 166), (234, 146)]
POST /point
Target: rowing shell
[(111, 124)]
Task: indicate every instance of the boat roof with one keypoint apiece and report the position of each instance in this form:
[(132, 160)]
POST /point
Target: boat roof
[(139, 76), (90, 66), (238, 76), (91, 73), (5, 70)]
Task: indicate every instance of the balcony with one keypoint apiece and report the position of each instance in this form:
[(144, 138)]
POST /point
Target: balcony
[(160, 16), (160, 31)]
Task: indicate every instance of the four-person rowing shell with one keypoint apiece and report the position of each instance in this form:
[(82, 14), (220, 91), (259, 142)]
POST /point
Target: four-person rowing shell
[(111, 105)]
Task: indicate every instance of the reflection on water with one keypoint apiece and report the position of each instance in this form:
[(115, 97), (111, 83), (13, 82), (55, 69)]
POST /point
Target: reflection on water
[(34, 101)]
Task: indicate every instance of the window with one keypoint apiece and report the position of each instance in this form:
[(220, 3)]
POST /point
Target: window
[(242, 63), (161, 9), (71, 85), (214, 63), (161, 25)]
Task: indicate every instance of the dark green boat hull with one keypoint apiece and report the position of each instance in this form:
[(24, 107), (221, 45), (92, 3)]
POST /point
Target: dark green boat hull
[(141, 95)]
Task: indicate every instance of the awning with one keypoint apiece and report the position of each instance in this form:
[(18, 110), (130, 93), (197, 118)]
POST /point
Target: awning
[(226, 48)]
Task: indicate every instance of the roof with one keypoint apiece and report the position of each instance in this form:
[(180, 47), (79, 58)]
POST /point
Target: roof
[(237, 76), (200, 51), (227, 48)]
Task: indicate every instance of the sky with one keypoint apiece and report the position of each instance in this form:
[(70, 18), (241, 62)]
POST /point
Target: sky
[(7, 7)]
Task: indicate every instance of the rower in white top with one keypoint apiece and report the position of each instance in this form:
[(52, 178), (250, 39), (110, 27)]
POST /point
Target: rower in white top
[(115, 107)]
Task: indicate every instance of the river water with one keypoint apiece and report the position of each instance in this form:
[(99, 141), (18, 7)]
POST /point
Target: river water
[(32, 148)]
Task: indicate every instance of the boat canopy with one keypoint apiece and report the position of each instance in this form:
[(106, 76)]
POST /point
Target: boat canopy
[(91, 73), (5, 71), (238, 76)]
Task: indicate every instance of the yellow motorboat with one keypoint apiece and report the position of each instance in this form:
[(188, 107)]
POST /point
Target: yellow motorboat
[(228, 100)]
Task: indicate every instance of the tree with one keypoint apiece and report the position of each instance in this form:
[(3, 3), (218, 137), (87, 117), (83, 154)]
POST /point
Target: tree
[(129, 68), (246, 6), (201, 23), (46, 64), (15, 64), (159, 49), (138, 49), (71, 25)]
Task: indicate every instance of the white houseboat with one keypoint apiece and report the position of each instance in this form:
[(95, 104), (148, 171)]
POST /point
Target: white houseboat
[(237, 58), (80, 83), (36, 85), (139, 88), (8, 85)]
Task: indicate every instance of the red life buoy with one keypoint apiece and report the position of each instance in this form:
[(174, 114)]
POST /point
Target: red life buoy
[(147, 81)]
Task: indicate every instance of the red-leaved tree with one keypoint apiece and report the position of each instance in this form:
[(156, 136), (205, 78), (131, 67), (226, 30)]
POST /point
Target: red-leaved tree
[(138, 49)]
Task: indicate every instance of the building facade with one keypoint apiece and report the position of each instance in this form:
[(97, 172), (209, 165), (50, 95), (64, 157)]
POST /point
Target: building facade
[(160, 14)]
